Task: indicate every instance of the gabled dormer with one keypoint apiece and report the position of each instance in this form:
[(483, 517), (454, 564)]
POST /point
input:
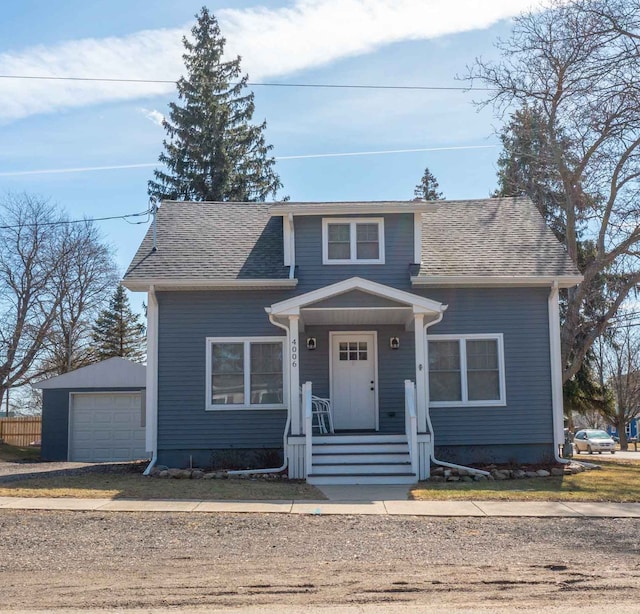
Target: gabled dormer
[(355, 233)]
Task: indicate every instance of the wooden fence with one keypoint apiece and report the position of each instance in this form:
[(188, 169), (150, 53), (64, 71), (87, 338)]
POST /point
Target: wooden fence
[(20, 431)]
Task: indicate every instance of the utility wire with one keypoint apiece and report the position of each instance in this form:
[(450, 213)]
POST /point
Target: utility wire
[(83, 220), (253, 84)]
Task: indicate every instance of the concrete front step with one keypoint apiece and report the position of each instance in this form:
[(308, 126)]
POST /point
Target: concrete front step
[(368, 468), (320, 479)]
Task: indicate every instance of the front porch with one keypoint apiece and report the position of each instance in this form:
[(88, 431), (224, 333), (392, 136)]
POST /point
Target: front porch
[(359, 458), (354, 343)]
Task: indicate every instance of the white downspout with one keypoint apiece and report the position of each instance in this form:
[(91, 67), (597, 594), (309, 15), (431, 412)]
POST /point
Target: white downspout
[(434, 460), (286, 425), (151, 394)]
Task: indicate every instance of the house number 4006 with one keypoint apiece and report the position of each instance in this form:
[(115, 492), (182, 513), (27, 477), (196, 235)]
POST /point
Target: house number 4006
[(294, 353)]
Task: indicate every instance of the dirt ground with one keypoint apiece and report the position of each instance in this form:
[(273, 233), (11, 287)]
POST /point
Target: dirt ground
[(52, 560)]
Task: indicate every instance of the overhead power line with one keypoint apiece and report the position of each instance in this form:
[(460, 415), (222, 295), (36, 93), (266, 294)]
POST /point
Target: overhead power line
[(83, 220), (255, 84)]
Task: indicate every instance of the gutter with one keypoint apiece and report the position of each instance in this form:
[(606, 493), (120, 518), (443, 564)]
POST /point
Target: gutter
[(285, 464)]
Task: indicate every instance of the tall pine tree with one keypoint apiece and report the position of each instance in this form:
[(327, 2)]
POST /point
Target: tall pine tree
[(118, 331), (428, 188), (213, 151)]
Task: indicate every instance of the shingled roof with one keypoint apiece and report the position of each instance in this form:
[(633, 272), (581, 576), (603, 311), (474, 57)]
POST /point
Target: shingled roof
[(493, 237), (205, 241), (231, 242)]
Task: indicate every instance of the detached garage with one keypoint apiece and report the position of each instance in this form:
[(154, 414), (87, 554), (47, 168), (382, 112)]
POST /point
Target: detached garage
[(95, 414)]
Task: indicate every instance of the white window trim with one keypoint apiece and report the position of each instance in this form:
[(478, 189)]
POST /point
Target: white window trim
[(352, 221), (465, 402), (247, 341)]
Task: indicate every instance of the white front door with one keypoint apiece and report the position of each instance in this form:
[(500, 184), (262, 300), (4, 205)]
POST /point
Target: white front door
[(353, 381)]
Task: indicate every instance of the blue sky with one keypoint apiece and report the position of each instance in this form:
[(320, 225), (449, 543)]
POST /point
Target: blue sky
[(47, 125)]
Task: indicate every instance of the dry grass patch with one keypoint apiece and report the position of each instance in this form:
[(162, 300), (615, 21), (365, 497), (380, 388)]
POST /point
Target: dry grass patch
[(136, 486), (13, 454), (618, 481)]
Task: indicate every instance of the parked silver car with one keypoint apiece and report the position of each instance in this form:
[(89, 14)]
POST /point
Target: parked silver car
[(591, 440)]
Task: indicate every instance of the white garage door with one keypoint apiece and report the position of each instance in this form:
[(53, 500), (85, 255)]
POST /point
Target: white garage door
[(106, 427)]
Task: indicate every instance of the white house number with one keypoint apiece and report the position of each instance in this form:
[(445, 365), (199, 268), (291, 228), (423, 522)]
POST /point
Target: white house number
[(294, 353)]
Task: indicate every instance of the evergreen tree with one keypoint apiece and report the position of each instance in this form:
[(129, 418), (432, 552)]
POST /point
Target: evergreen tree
[(526, 166), (213, 151), (428, 188), (118, 331)]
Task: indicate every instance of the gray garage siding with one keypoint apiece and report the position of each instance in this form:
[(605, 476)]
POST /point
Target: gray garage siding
[(55, 419), (186, 319)]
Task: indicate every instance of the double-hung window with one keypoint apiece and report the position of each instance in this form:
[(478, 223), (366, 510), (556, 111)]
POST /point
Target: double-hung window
[(245, 373), (466, 370), (353, 241)]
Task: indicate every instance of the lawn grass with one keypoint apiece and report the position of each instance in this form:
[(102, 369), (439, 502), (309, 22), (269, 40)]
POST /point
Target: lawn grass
[(17, 453), (137, 486), (617, 481)]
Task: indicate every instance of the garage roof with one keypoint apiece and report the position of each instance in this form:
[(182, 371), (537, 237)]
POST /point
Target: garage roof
[(111, 373)]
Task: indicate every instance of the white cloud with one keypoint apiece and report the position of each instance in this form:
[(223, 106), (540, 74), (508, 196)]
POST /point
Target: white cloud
[(272, 42), (152, 115)]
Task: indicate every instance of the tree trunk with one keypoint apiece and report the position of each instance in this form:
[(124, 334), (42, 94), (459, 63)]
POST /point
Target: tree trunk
[(622, 433)]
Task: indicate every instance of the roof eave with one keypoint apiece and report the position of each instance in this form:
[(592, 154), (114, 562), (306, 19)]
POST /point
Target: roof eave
[(486, 281), (161, 284), (350, 208)]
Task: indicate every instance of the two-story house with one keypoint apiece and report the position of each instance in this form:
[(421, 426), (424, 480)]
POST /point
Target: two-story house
[(430, 328)]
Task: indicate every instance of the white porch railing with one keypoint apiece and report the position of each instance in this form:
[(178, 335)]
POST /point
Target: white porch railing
[(307, 416), (411, 423)]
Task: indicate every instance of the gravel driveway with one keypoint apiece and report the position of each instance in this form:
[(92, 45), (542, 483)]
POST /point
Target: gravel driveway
[(93, 560), (18, 471)]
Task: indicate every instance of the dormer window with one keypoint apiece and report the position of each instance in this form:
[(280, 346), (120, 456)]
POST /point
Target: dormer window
[(353, 241)]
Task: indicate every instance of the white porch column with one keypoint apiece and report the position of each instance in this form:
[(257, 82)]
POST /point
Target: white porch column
[(421, 370), (294, 375)]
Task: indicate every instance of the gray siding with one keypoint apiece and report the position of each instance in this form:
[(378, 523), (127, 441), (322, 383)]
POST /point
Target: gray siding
[(55, 420), (311, 273), (394, 366), (186, 319), (521, 314)]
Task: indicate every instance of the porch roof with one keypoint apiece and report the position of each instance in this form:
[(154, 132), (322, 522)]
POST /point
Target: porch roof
[(388, 305)]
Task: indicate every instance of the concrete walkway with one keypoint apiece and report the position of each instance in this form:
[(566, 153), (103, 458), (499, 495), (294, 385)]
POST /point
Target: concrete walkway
[(390, 507)]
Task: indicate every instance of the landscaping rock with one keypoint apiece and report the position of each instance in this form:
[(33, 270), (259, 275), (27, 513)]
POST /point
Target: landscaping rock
[(437, 471), (558, 471), (453, 478), (518, 474), (466, 478), (542, 473), (531, 474), (436, 478), (164, 473), (197, 474), (478, 477), (173, 473)]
